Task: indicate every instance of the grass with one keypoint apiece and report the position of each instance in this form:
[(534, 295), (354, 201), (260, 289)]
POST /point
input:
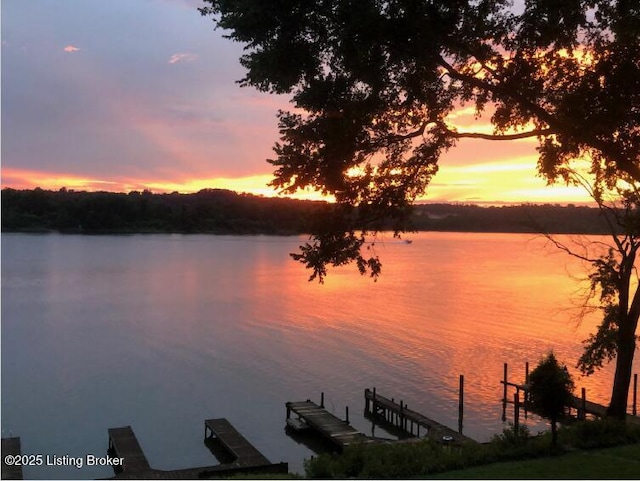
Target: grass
[(621, 462), (603, 449)]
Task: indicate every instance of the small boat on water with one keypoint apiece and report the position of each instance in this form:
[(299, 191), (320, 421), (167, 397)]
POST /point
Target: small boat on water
[(408, 241)]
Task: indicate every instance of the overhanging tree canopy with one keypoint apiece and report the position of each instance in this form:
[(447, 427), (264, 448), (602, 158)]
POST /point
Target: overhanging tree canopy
[(373, 84)]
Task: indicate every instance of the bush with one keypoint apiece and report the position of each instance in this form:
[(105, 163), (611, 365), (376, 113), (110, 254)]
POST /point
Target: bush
[(426, 456), (599, 433), (550, 390)]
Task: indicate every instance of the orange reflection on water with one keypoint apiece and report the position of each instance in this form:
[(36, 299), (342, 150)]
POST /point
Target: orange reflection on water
[(441, 309)]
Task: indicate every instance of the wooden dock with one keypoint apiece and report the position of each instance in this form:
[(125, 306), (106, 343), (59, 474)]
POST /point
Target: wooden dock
[(11, 446), (409, 420), (580, 404), (241, 451), (243, 456), (124, 444), (332, 428)]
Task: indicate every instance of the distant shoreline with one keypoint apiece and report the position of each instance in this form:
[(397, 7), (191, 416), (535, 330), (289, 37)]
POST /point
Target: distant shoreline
[(223, 212)]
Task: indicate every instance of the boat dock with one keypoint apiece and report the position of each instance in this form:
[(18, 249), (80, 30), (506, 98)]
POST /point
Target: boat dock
[(124, 444), (243, 456), (582, 406), (408, 420), (339, 432), (11, 446), (241, 451)]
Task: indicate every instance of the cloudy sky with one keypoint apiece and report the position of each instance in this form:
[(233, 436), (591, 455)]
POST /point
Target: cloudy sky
[(123, 95)]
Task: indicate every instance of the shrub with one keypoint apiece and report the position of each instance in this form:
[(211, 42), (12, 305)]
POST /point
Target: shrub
[(600, 433), (550, 390)]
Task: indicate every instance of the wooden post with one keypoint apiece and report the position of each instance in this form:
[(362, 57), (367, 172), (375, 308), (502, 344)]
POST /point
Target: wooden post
[(516, 413), (461, 403), (392, 414), (401, 419), (504, 391), (635, 394), (322, 399), (288, 411), (504, 395), (405, 423), (366, 401), (583, 406), (374, 403), (347, 413), (526, 381)]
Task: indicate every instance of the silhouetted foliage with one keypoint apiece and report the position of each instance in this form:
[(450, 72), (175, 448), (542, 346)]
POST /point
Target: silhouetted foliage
[(208, 211), (550, 390), (373, 84), (225, 212)]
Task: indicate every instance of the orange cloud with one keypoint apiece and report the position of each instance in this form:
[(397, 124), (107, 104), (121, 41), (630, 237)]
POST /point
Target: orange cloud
[(71, 48), (514, 180), (511, 182), (254, 184)]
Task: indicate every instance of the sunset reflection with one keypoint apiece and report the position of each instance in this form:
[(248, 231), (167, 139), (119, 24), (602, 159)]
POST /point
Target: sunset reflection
[(467, 315)]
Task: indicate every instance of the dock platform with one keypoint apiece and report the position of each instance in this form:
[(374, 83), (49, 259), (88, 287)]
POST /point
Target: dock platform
[(243, 453), (244, 457), (11, 446), (407, 419), (339, 432), (580, 404), (124, 444)]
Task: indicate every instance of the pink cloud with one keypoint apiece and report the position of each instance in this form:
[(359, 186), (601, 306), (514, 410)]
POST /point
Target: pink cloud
[(71, 48), (182, 57)]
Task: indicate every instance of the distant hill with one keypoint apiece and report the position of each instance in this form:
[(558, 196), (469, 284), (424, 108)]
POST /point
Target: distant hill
[(219, 211), (548, 218), (215, 211)]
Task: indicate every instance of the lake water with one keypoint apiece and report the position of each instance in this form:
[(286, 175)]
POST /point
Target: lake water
[(161, 332)]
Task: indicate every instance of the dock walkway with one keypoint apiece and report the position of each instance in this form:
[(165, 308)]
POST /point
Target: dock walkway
[(405, 418), (241, 450), (339, 432), (11, 446), (245, 458), (124, 444), (580, 404)]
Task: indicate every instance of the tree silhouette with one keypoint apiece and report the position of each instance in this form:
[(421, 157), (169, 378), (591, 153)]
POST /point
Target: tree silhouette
[(610, 284), (550, 390), (373, 85)]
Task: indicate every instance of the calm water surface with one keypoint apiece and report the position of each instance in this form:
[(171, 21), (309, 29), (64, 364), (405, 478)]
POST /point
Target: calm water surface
[(163, 331)]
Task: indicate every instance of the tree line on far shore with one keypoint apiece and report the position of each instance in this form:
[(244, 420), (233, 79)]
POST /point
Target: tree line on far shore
[(219, 211)]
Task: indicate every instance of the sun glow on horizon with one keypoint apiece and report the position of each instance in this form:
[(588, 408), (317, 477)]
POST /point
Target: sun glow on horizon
[(254, 184), (514, 181)]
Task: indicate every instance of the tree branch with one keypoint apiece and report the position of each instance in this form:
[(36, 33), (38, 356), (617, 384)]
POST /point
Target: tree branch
[(623, 163), (538, 111), (516, 136)]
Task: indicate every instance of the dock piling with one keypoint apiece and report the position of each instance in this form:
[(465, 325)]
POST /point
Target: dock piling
[(504, 395), (399, 414), (322, 399), (635, 394), (461, 403), (516, 413)]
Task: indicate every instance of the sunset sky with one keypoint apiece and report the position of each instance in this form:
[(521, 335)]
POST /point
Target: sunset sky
[(124, 95)]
